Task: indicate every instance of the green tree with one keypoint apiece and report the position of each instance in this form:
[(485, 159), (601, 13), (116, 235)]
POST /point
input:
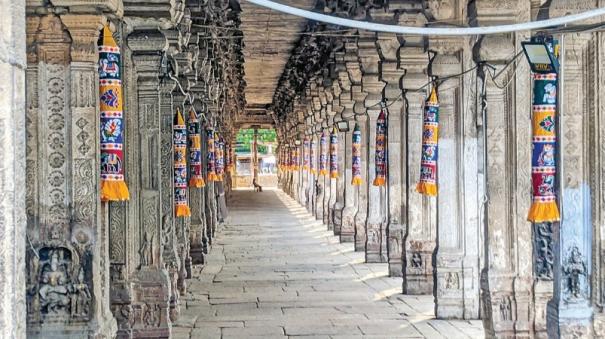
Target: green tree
[(245, 137)]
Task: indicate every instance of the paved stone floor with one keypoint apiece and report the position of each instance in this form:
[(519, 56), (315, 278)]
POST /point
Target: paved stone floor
[(275, 272)]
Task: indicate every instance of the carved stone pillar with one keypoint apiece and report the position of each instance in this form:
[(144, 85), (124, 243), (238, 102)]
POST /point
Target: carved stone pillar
[(458, 233), (375, 241), (391, 73), (152, 283), (507, 273), (420, 236), (68, 240), (13, 183), (197, 197), (351, 96), (570, 312), (336, 188)]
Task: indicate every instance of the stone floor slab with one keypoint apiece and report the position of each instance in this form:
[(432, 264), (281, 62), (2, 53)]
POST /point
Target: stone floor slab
[(275, 272)]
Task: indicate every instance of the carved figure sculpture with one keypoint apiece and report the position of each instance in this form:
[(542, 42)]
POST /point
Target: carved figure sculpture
[(81, 297), (574, 268), (54, 294), (146, 250)]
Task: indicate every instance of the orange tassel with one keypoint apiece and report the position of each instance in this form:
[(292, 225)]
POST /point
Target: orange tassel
[(379, 181), (114, 191), (197, 182), (323, 172), (543, 212), (334, 175), (426, 188), (212, 176), (356, 181), (183, 211)]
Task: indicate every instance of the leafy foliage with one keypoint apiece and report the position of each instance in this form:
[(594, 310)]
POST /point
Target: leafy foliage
[(245, 137)]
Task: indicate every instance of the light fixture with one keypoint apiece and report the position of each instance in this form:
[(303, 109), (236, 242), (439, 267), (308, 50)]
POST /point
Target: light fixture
[(342, 125), (540, 54)]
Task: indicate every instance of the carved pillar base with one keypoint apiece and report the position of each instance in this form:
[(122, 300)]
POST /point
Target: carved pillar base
[(151, 309), (419, 268)]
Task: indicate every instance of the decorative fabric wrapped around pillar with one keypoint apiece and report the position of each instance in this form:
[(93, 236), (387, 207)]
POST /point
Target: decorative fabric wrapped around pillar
[(195, 152), (180, 166), (312, 157), (230, 158), (356, 157), (220, 158), (334, 154), (323, 154), (113, 186), (306, 154), (381, 154), (430, 146), (211, 167), (544, 166), (296, 158)]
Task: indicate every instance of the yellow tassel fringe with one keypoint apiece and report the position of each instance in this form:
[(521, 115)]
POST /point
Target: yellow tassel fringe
[(323, 172), (356, 181), (379, 181), (543, 212), (427, 189), (212, 176), (183, 211), (114, 191), (334, 175), (197, 182)]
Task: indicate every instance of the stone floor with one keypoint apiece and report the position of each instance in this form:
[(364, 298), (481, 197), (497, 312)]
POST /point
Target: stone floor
[(275, 272)]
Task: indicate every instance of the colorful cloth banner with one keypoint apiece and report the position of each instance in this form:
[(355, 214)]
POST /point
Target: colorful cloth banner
[(334, 154), (220, 158), (230, 158), (211, 156), (113, 186), (305, 152), (196, 179), (180, 166), (323, 154), (356, 156), (430, 146), (544, 165), (312, 157), (381, 154), (296, 158)]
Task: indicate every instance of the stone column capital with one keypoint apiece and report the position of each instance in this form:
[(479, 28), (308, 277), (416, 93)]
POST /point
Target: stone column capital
[(84, 30)]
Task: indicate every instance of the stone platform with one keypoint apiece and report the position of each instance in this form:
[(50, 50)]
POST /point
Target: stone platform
[(275, 272)]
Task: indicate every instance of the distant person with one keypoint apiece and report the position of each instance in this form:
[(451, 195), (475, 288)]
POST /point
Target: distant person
[(257, 187)]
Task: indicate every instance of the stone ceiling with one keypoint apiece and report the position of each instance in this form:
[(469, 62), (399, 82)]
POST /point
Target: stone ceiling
[(269, 38)]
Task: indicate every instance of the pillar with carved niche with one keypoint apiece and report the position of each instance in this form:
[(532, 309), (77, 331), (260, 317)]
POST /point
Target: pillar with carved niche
[(198, 239), (337, 198), (66, 234), (330, 197), (420, 233), (182, 224), (375, 241), (391, 73), (506, 278), (569, 312), (308, 177), (350, 192), (152, 284), (458, 233), (170, 254), (14, 207), (322, 195)]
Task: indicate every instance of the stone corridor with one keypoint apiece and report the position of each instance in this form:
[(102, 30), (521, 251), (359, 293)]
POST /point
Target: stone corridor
[(276, 272)]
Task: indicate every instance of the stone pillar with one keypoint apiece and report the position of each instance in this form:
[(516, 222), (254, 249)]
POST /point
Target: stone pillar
[(569, 312), (13, 183), (198, 239), (420, 236), (331, 198), (65, 227), (375, 240), (391, 73), (458, 233), (347, 228), (506, 277), (152, 283)]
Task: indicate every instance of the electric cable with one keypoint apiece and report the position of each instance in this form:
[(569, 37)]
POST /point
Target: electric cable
[(376, 27)]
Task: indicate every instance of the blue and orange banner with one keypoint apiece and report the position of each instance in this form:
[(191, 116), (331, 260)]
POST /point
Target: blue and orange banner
[(180, 166), (334, 154), (356, 156), (430, 146), (381, 153), (113, 186)]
